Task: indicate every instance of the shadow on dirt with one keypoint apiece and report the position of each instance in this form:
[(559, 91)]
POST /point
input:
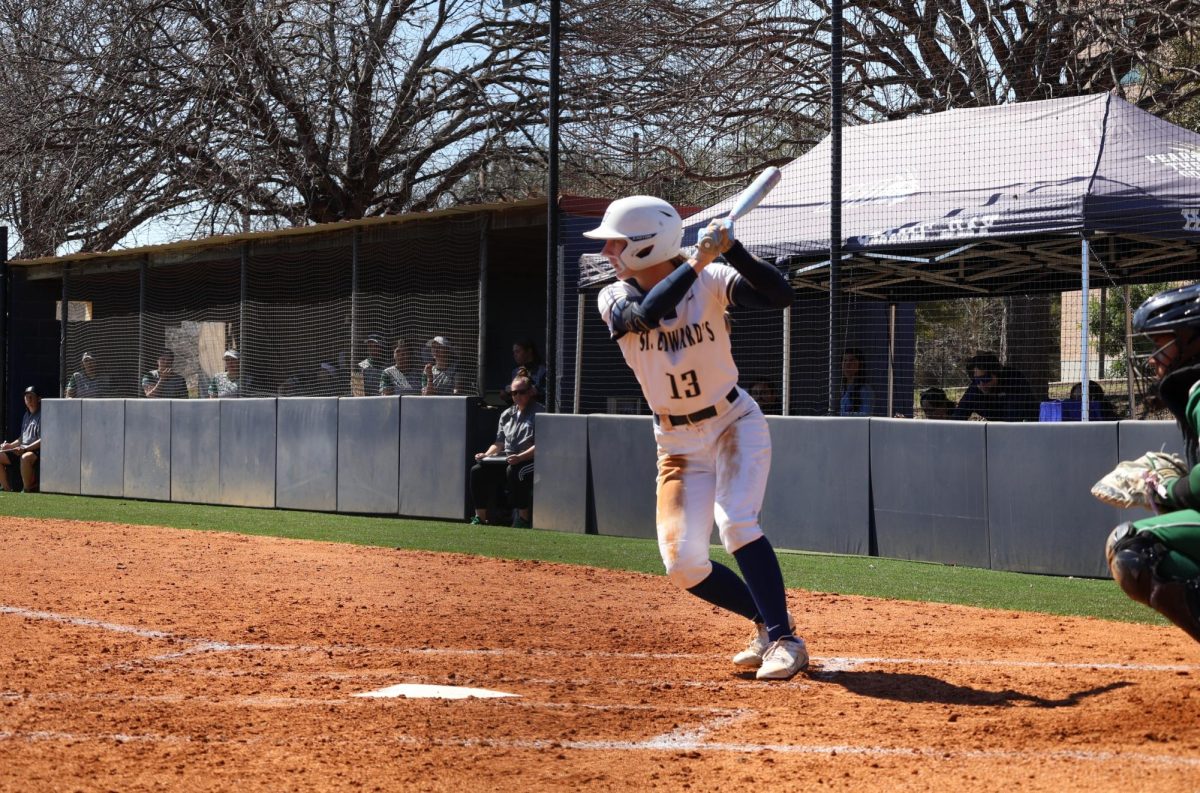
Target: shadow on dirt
[(907, 687)]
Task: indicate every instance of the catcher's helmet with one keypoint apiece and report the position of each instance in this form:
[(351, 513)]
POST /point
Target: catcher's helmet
[(651, 227), (1169, 311)]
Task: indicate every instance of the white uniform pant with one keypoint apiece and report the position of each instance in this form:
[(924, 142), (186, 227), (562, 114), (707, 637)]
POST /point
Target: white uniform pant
[(714, 470)]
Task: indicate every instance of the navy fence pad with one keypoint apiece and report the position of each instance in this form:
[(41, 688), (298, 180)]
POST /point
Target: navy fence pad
[(102, 448), (560, 485), (368, 454), (196, 451), (148, 449), (306, 453), (622, 456), (816, 496), (929, 488), (434, 458), (62, 424), (247, 468), (1042, 516)]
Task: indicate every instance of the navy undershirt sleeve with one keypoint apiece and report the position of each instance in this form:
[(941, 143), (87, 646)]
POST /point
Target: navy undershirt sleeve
[(640, 315), (760, 285)]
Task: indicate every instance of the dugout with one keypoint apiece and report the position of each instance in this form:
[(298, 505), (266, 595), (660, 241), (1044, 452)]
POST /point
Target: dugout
[(297, 304)]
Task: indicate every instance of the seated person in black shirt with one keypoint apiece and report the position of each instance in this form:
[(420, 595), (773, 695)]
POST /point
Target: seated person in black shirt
[(996, 393)]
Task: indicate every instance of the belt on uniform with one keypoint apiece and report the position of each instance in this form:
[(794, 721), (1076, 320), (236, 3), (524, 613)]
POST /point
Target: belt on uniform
[(699, 415)]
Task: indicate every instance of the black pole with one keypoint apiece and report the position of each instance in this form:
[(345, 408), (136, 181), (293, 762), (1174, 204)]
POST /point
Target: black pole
[(143, 265), (551, 351), (835, 196), (354, 329), (243, 281), (62, 333), (4, 331)]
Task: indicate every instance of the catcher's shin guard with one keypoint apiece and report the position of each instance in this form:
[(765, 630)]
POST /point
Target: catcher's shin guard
[(1179, 601), (1133, 558)]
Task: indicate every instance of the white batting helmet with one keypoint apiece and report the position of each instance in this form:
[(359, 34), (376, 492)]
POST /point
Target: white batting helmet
[(651, 227)]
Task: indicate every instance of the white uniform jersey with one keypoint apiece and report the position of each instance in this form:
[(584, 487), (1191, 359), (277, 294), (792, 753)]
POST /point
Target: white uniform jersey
[(686, 363)]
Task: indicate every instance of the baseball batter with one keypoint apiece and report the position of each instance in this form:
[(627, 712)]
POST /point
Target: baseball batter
[(1156, 561), (714, 450)]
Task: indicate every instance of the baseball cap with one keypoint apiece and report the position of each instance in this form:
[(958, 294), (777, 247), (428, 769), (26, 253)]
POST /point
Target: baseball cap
[(375, 338), (32, 390), (87, 356), (441, 341), (230, 354)]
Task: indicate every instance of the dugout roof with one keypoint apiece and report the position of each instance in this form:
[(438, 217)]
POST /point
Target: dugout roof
[(990, 201)]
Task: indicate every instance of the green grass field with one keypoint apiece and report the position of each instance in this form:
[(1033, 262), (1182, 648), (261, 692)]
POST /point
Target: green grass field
[(857, 575)]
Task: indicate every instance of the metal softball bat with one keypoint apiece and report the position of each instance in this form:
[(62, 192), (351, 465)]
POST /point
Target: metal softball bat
[(747, 199)]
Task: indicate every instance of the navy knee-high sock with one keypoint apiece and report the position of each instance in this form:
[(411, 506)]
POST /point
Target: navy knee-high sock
[(723, 588), (764, 579)]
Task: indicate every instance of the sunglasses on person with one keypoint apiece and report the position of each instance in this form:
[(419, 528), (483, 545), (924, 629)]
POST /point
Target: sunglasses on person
[(520, 391)]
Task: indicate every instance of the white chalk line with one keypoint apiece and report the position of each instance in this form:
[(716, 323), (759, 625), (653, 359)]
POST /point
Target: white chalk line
[(795, 684), (826, 665), (680, 742), (112, 737), (280, 701)]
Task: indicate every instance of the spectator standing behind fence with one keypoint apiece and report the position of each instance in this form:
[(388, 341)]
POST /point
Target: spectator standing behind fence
[(89, 382), (440, 376), (25, 449), (857, 397), (164, 382), (997, 392), (525, 356), (514, 439), (401, 378), (229, 383), (936, 405)]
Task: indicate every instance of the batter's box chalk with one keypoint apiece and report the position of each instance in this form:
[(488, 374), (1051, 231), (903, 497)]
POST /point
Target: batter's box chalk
[(422, 691)]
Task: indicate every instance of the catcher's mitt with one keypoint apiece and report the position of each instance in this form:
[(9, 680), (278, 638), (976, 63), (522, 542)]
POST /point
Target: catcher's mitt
[(1137, 483)]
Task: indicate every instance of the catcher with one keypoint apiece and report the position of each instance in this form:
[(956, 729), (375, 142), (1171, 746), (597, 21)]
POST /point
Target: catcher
[(1156, 561)]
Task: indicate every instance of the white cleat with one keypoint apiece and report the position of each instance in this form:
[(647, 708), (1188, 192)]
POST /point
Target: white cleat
[(783, 659), (753, 654)]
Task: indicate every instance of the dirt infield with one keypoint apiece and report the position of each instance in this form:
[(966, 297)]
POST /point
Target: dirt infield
[(143, 658)]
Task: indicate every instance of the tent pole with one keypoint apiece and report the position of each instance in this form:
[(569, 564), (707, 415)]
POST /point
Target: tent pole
[(891, 403), (580, 300), (1129, 348), (786, 389), (1084, 399)]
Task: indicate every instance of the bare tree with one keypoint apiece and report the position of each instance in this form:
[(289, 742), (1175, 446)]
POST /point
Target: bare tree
[(678, 98), (256, 113), (681, 94), (299, 112), (71, 176), (263, 112), (912, 56)]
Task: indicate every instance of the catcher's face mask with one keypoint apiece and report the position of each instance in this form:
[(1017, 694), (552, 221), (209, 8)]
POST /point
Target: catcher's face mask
[(1166, 353)]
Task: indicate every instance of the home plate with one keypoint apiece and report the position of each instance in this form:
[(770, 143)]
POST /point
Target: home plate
[(421, 691)]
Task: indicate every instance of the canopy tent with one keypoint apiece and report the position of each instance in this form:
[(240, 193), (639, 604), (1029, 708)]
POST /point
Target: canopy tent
[(989, 201)]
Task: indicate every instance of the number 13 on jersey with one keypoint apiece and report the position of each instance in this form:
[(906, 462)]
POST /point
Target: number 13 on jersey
[(689, 383)]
